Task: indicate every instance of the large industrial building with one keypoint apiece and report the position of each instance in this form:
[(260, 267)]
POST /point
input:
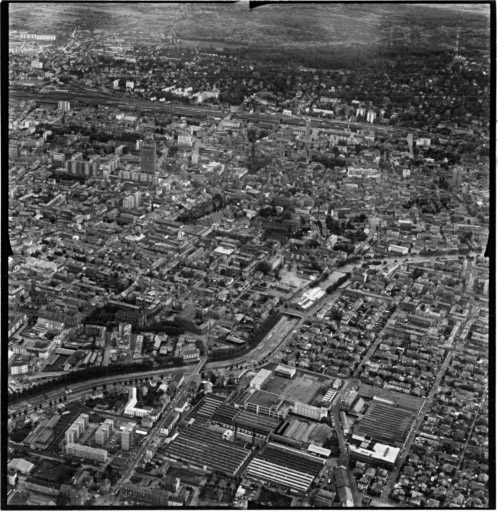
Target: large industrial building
[(262, 402), (385, 423), (201, 447), (286, 468), (374, 453), (304, 431), (244, 422)]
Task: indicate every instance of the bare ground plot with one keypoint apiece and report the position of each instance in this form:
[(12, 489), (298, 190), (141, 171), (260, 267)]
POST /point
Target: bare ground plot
[(121, 460), (54, 472), (185, 476), (276, 385), (292, 279), (302, 388)]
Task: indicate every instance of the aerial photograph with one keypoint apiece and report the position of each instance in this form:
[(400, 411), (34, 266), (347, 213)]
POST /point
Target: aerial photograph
[(250, 254)]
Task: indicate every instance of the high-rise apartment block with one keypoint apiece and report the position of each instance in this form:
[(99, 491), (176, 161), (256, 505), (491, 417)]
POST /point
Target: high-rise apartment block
[(80, 167), (77, 428), (127, 438), (104, 432)]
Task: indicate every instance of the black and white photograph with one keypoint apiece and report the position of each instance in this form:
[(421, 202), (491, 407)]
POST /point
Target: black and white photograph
[(246, 254)]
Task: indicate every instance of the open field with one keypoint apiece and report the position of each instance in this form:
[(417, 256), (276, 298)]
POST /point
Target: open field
[(309, 26), (54, 472), (31, 499), (121, 460), (292, 279), (302, 388)]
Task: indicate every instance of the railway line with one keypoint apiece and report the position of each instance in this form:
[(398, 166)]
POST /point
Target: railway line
[(96, 97), (89, 96), (77, 390)]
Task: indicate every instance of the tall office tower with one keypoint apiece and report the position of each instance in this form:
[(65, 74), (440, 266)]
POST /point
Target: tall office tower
[(148, 156), (308, 130), (409, 139), (457, 176), (127, 438)]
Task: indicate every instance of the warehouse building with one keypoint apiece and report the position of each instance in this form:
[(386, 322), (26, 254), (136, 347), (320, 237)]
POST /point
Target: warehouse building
[(385, 423), (285, 371), (205, 409), (21, 466), (304, 432), (245, 422), (285, 468), (319, 451), (202, 448), (267, 404), (287, 479), (343, 488), (43, 434), (260, 378), (376, 454)]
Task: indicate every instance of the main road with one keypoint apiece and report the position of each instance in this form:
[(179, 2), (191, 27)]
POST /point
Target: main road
[(344, 459), (267, 347), (78, 390), (157, 428), (93, 96), (416, 428), (79, 92)]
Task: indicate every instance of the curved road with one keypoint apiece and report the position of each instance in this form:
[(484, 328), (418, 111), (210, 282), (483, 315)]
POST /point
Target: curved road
[(267, 346)]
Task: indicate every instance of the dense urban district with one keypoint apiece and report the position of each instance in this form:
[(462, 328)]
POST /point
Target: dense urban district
[(246, 283)]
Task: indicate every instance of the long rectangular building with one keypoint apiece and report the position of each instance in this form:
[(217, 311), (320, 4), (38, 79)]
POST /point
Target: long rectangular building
[(201, 447), (386, 424), (86, 452), (289, 479), (285, 467)]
